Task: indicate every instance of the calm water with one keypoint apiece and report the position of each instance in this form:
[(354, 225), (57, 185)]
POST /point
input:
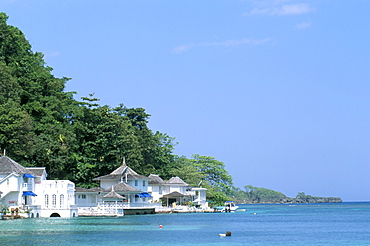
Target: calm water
[(313, 224)]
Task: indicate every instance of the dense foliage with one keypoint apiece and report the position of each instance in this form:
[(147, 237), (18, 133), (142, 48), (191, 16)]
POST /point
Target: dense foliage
[(263, 195), (206, 172), (41, 125)]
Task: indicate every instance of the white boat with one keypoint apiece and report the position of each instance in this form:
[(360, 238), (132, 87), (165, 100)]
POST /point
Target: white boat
[(230, 206)]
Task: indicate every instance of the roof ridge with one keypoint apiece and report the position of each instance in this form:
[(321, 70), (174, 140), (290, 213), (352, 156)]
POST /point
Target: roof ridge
[(8, 165)]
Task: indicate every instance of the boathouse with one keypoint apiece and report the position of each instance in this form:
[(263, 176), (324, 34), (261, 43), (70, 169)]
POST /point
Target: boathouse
[(27, 191)]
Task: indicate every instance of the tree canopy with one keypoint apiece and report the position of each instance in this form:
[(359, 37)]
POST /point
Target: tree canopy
[(40, 123), (207, 172)]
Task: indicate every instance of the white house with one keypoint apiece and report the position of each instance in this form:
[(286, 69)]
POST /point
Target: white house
[(176, 191), (28, 190), (122, 189)]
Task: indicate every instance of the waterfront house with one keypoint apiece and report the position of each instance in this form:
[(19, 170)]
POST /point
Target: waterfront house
[(28, 191), (130, 194), (175, 191), (155, 188), (124, 191)]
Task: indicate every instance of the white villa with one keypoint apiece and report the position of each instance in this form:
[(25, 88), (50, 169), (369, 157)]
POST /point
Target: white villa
[(28, 191), (176, 191), (124, 191)]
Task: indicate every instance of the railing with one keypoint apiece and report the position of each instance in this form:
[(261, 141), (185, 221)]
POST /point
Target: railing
[(128, 205), (109, 209), (31, 207), (58, 207), (190, 193), (179, 209)]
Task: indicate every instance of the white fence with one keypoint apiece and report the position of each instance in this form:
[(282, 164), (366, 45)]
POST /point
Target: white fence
[(113, 208)]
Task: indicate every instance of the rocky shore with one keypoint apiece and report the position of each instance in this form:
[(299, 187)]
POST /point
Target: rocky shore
[(313, 200), (309, 199)]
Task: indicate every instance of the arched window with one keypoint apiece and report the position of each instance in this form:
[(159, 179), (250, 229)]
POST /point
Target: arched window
[(61, 200), (54, 200), (46, 200)]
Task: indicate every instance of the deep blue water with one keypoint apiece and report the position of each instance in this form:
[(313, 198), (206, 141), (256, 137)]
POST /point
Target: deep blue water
[(309, 224)]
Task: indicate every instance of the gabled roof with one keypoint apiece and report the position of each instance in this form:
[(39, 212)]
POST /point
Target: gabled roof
[(7, 166), (121, 172), (96, 189), (155, 179), (176, 181), (175, 194), (113, 194), (38, 171), (123, 187)]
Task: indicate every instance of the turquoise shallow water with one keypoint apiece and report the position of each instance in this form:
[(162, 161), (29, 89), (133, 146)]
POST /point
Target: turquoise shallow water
[(312, 224)]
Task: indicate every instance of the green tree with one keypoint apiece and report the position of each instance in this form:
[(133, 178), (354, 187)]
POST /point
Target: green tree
[(34, 109), (41, 124), (207, 172), (16, 127), (213, 171), (188, 172), (103, 138), (263, 195)]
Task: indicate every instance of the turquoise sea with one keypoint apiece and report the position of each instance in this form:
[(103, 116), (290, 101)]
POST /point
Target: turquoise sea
[(308, 224)]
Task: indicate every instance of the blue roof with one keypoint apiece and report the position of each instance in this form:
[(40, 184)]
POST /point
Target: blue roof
[(29, 193), (26, 175), (144, 194)]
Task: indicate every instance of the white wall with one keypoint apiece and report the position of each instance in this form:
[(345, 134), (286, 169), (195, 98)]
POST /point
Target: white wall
[(55, 194), (87, 199), (156, 192), (140, 184), (11, 186), (62, 212), (106, 184)]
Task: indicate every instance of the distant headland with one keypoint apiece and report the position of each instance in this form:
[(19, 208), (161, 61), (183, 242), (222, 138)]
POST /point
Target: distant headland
[(255, 195)]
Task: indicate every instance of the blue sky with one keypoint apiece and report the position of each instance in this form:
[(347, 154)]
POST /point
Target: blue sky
[(278, 90)]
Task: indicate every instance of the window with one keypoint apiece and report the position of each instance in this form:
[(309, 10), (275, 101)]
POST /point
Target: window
[(136, 182), (61, 200), (46, 200), (143, 182), (7, 182), (54, 200), (160, 190), (83, 196)]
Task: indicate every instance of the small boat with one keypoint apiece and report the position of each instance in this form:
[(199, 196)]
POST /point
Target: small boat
[(230, 206), (227, 208), (220, 209)]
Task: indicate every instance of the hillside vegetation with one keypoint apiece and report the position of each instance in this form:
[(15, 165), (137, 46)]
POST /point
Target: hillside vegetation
[(42, 125)]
